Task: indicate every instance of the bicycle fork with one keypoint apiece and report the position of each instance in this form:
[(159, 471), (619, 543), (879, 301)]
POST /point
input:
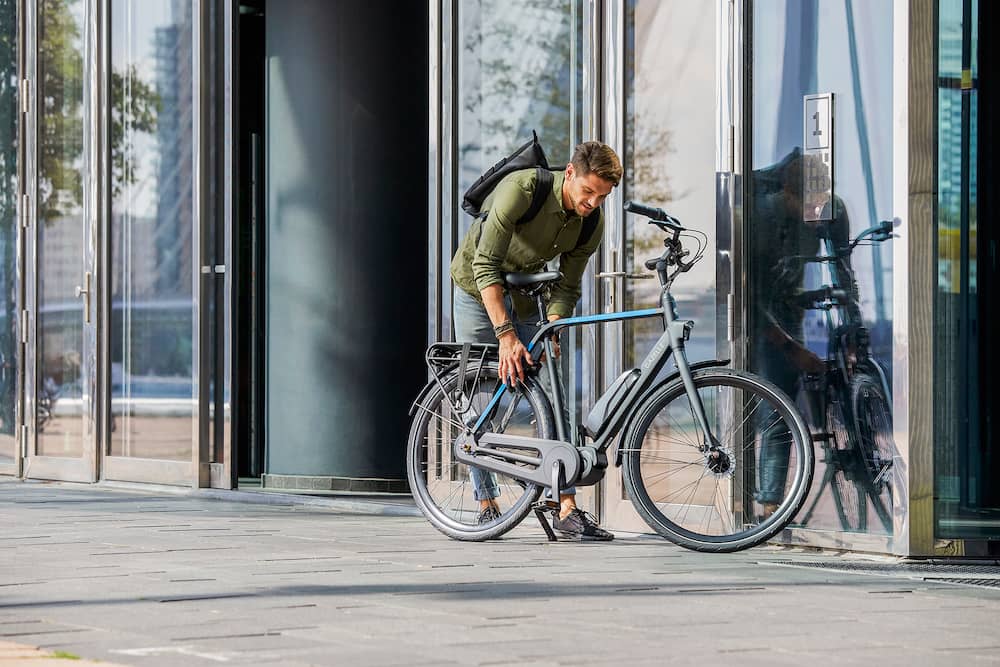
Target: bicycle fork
[(679, 331)]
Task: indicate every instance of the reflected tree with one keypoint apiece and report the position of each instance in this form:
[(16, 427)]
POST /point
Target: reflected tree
[(8, 213), (516, 73)]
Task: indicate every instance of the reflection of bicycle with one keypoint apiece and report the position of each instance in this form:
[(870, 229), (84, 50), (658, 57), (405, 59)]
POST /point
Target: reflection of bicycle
[(48, 393), (849, 404), (689, 445)]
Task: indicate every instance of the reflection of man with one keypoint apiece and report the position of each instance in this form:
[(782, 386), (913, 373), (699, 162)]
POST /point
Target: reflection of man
[(783, 243), (495, 245)]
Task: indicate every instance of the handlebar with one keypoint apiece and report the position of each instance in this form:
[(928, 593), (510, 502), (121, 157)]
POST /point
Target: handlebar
[(656, 215)]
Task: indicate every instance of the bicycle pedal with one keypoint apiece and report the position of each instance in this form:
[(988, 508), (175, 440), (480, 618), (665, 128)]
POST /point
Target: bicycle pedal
[(547, 505)]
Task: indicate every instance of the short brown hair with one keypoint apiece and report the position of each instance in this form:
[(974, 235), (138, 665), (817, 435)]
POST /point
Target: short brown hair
[(593, 157)]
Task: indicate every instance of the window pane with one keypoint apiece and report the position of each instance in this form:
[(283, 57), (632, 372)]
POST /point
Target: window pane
[(518, 62), (8, 228), (967, 503), (151, 235), (60, 230), (821, 309), (670, 159)]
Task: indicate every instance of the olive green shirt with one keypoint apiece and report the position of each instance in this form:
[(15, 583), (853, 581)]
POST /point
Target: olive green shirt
[(496, 245)]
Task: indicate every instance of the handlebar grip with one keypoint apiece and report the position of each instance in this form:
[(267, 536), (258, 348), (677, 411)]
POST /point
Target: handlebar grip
[(647, 211)]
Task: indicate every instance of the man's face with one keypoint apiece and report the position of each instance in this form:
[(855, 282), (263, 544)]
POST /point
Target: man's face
[(582, 193)]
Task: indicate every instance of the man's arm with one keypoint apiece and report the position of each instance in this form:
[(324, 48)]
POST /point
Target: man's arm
[(510, 201)]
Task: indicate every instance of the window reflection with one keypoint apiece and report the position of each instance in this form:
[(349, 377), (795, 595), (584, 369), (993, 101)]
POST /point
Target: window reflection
[(60, 230), (670, 158), (516, 68), (8, 228), (820, 291), (151, 233)]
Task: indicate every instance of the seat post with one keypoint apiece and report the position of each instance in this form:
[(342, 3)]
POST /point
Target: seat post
[(542, 317)]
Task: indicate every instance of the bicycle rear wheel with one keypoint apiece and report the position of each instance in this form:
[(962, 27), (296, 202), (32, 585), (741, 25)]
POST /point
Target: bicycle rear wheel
[(873, 425), (441, 486), (718, 503), (847, 477)]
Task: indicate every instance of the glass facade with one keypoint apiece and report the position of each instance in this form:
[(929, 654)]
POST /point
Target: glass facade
[(820, 281), (9, 102), (670, 83), (520, 70), (966, 459), (152, 204), (61, 231), (109, 261)]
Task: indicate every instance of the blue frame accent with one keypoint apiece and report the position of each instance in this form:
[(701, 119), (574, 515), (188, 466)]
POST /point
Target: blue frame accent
[(559, 324)]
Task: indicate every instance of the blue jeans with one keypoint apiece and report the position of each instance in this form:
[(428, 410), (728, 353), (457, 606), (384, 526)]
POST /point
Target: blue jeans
[(472, 325)]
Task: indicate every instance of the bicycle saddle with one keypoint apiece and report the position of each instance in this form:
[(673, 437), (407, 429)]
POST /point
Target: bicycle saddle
[(523, 280)]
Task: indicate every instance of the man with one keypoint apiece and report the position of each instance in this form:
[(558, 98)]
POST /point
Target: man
[(496, 245), (783, 245)]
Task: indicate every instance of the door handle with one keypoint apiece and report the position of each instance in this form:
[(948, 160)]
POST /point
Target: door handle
[(85, 293)]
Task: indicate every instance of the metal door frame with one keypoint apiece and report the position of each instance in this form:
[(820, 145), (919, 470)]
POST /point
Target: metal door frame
[(195, 472), (20, 437), (84, 468)]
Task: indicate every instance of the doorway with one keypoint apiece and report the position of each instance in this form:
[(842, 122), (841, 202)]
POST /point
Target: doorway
[(331, 191)]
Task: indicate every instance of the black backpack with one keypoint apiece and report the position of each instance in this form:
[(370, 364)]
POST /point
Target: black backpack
[(527, 156)]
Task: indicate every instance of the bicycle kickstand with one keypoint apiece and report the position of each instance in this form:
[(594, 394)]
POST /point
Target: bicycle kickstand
[(550, 505)]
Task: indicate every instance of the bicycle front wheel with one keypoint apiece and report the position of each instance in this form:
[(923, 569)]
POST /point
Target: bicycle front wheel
[(724, 498), (448, 492)]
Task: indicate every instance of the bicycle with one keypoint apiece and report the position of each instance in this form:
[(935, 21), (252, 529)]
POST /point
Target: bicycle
[(849, 403), (688, 445)]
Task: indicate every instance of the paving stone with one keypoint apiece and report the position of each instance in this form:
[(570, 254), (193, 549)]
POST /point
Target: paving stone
[(138, 577)]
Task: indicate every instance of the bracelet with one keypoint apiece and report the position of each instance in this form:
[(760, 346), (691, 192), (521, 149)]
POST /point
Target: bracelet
[(502, 328)]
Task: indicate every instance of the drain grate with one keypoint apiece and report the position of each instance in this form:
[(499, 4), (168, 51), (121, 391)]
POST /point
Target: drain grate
[(986, 583), (969, 575)]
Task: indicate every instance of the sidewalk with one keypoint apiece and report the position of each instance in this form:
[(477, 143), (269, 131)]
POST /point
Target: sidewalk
[(137, 578)]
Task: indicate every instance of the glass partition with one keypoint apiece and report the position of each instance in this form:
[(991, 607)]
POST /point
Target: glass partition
[(520, 68), (820, 288), (670, 89), (60, 239), (152, 361), (966, 461), (8, 229)]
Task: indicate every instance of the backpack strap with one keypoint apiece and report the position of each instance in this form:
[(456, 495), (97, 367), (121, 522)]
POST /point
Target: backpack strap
[(543, 186), (589, 227)]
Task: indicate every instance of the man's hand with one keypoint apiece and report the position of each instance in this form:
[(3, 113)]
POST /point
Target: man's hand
[(513, 358)]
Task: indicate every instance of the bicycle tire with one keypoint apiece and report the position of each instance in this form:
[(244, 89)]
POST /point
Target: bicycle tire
[(431, 470), (738, 497), (850, 499), (873, 428)]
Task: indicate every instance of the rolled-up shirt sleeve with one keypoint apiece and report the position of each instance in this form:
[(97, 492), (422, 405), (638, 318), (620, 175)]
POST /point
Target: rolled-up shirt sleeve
[(510, 201), (572, 264)]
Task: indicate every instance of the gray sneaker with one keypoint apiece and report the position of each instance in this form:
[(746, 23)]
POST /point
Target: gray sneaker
[(488, 515), (580, 525)]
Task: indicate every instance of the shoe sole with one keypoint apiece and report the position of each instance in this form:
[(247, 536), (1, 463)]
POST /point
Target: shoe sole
[(580, 537)]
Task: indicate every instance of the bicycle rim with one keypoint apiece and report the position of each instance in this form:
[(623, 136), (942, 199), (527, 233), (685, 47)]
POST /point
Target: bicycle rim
[(873, 419), (441, 486), (712, 503), (846, 484)]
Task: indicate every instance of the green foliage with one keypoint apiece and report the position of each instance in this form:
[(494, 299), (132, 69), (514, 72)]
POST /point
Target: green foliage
[(134, 109)]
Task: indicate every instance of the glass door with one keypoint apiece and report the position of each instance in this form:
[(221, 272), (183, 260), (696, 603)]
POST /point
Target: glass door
[(668, 140), (10, 236), (152, 249), (59, 381)]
